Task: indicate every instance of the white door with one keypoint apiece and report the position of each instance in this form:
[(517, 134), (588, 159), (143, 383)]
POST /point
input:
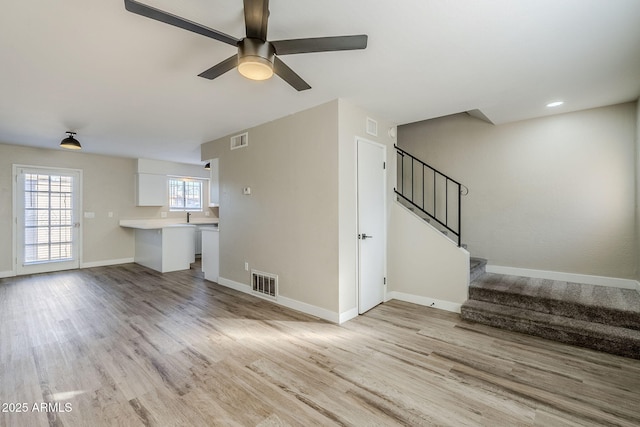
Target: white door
[(371, 224), (47, 219)]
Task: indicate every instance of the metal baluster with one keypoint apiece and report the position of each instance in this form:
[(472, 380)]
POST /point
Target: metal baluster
[(435, 212), (459, 216), (412, 162), (446, 202), (424, 192)]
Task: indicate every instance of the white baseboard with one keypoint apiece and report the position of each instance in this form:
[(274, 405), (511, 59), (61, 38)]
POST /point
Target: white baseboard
[(426, 301), (234, 285), (348, 315), (9, 273), (313, 310), (107, 262), (303, 307), (586, 279)]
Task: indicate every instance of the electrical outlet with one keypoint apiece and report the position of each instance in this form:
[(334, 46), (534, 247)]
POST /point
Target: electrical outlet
[(246, 266), (207, 213), (110, 214), (163, 214)]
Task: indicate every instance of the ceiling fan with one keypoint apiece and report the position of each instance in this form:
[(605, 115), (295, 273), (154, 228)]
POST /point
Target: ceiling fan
[(257, 57)]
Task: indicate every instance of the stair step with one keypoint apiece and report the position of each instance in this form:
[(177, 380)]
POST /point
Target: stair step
[(598, 336), (477, 268), (600, 304)]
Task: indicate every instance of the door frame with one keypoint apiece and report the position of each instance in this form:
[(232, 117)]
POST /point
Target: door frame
[(14, 182), (384, 217)]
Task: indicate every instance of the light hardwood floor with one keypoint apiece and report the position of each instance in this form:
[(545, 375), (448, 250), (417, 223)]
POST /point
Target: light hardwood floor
[(128, 346)]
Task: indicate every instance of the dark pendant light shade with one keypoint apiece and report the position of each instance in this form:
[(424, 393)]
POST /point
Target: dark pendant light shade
[(70, 142), (207, 166)]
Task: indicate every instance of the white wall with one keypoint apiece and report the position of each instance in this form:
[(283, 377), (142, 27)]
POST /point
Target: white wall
[(289, 224), (425, 267), (555, 193)]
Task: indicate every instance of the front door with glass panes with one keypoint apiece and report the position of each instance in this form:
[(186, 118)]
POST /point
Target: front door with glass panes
[(47, 219)]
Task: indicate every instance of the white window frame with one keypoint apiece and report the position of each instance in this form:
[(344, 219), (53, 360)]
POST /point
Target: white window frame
[(185, 180)]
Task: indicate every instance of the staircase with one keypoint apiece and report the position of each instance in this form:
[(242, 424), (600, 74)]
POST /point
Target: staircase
[(597, 317)]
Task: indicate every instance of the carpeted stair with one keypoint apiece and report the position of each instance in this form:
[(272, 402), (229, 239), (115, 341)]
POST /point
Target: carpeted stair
[(598, 317), (477, 267)]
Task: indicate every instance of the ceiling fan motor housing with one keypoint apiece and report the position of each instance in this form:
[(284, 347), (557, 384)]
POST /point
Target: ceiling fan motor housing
[(255, 58)]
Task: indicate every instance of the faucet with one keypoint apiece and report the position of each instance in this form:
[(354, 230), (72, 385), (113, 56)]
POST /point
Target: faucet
[(188, 215)]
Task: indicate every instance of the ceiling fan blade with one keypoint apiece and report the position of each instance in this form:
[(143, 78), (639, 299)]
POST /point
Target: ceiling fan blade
[(289, 76), (176, 21), (256, 18), (320, 44), (221, 68)]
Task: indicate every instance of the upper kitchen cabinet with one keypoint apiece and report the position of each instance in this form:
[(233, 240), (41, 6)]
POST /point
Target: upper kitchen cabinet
[(214, 184), (151, 189)]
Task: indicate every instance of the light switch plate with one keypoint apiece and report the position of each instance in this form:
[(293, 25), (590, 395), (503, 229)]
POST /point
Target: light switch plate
[(89, 214), (246, 191)]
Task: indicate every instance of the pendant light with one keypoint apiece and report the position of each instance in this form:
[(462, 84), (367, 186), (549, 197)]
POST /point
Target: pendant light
[(70, 142)]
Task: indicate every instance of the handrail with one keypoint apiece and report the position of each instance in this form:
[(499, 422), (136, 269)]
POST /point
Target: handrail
[(443, 220), (423, 163)]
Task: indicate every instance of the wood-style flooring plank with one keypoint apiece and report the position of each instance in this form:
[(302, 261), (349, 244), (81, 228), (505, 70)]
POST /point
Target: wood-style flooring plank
[(127, 346)]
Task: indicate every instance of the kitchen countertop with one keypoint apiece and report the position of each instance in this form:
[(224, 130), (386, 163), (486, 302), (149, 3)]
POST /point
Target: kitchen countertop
[(154, 224)]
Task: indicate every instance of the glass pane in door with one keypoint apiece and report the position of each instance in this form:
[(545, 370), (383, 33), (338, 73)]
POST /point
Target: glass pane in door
[(48, 218)]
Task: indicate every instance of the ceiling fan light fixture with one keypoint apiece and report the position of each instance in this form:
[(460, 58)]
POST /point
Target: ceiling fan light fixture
[(70, 142), (255, 59), (255, 68)]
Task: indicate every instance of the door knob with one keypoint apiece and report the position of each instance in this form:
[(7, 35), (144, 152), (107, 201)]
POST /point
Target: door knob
[(364, 236)]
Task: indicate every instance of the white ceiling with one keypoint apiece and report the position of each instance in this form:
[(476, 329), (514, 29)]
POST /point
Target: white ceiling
[(128, 85)]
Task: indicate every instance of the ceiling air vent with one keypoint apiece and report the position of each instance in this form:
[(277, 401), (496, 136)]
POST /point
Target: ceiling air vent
[(240, 141), (372, 127), (264, 284)]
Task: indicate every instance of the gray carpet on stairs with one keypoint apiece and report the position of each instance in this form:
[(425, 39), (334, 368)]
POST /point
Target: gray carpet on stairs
[(599, 317), (477, 267)]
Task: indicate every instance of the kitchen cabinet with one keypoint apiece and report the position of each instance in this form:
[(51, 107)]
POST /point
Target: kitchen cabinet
[(163, 248), (211, 253), (151, 190)]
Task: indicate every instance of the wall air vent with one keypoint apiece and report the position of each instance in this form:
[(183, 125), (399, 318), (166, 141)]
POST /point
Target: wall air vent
[(240, 141), (372, 127), (264, 284)]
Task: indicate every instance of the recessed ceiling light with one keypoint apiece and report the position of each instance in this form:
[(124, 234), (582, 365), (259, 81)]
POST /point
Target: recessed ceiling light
[(555, 103)]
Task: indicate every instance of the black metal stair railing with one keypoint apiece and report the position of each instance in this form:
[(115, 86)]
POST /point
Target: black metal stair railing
[(435, 194)]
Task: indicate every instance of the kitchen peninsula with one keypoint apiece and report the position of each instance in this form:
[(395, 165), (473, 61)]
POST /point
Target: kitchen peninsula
[(164, 245)]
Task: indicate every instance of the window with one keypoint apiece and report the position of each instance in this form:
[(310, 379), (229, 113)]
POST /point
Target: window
[(185, 194)]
